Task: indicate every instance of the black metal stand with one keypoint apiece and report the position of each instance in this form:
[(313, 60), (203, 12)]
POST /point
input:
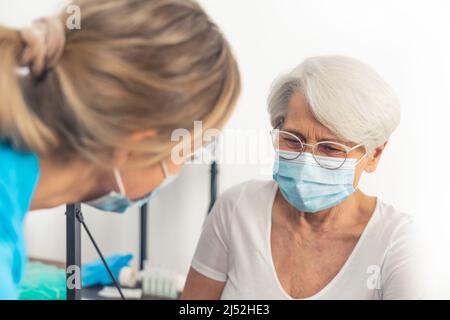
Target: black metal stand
[(80, 218), (73, 252), (213, 185), (143, 236)]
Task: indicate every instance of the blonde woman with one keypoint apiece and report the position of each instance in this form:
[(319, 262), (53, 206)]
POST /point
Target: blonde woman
[(91, 121)]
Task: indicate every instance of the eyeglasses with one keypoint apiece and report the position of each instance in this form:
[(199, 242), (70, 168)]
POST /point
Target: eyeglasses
[(286, 141)]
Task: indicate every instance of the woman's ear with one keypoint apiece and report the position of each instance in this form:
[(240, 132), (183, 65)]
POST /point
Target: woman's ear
[(122, 156), (374, 158)]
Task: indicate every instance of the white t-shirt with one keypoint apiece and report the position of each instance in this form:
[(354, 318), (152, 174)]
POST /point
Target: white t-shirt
[(235, 248)]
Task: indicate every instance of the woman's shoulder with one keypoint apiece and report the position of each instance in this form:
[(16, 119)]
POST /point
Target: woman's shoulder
[(390, 215), (249, 196), (394, 223), (18, 177), (11, 159), (19, 172), (404, 271)]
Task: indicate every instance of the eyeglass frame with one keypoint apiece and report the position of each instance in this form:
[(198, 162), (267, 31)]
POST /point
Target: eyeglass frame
[(347, 149)]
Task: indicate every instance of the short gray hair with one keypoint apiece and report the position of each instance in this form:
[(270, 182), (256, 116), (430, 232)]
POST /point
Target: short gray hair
[(345, 95)]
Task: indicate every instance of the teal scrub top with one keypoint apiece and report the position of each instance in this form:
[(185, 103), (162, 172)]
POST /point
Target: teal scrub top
[(19, 174)]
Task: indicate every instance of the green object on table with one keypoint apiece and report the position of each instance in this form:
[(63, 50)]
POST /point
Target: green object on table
[(43, 282)]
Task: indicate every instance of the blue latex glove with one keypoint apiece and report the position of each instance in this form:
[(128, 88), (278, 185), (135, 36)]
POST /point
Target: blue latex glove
[(95, 273)]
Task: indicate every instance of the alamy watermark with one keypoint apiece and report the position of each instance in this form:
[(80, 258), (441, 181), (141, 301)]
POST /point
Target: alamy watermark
[(73, 21), (73, 281), (228, 146), (374, 278)]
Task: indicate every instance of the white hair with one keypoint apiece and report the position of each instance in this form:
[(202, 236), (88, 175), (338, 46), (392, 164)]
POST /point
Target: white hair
[(345, 95)]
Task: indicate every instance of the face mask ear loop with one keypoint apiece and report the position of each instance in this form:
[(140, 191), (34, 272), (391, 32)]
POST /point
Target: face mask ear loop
[(365, 154), (357, 162), (359, 182), (164, 168), (119, 181)]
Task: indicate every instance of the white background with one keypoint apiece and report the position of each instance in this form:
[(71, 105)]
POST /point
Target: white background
[(408, 42)]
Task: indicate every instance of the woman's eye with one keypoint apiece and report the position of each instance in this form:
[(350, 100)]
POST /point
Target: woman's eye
[(331, 149), (293, 142)]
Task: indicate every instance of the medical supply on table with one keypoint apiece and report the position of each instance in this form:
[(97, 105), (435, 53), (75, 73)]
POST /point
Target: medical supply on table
[(112, 293), (43, 282), (155, 281)]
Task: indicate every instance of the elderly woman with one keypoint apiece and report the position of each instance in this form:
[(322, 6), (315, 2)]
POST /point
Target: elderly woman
[(311, 233)]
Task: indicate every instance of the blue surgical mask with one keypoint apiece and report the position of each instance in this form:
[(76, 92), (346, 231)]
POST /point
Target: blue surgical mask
[(311, 188), (119, 202)]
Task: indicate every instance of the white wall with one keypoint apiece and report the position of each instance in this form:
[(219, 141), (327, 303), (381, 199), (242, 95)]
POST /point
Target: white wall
[(406, 41)]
